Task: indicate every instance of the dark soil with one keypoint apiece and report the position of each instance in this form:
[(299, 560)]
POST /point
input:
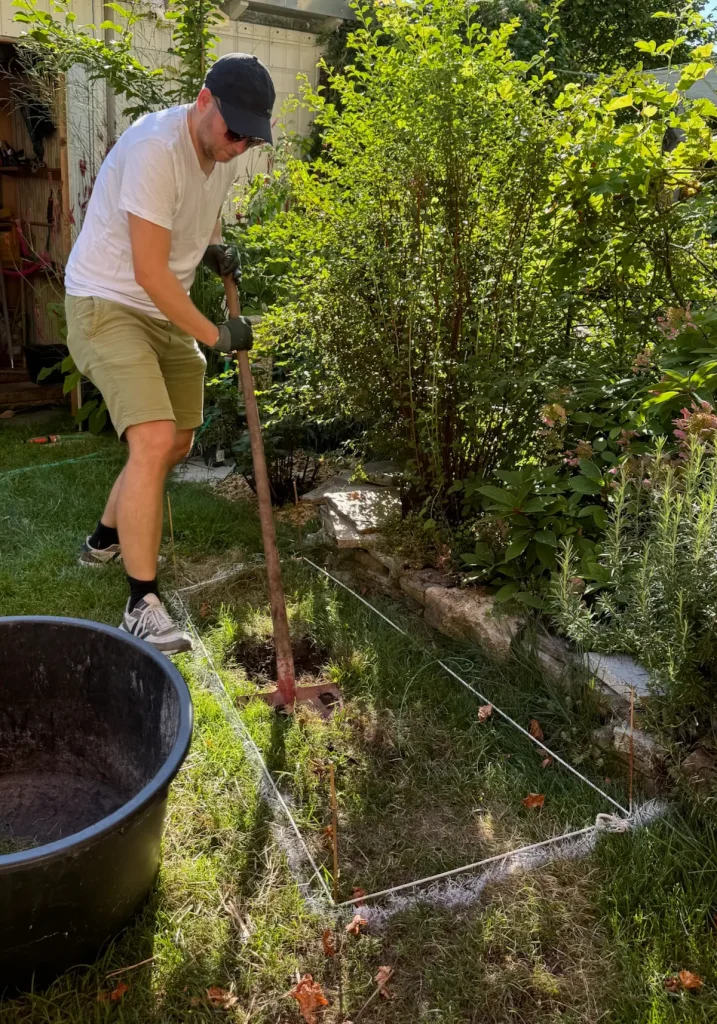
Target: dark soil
[(258, 659)]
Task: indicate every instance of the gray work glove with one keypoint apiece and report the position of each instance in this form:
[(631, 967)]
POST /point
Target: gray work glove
[(223, 260), (236, 335)]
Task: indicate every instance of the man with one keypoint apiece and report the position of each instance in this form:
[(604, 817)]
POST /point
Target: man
[(131, 326)]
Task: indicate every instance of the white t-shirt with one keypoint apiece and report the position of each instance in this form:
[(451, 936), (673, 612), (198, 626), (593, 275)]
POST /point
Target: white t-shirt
[(152, 171)]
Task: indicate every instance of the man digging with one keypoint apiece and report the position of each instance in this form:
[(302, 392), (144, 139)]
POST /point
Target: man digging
[(154, 215)]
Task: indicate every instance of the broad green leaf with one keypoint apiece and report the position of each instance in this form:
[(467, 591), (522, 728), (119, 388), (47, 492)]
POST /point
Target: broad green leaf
[(506, 592), (530, 599), (590, 470), (546, 537), (619, 102), (498, 494), (582, 485), (534, 505), (516, 547), (71, 382)]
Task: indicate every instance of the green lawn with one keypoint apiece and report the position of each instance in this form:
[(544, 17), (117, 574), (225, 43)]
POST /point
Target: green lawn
[(422, 787)]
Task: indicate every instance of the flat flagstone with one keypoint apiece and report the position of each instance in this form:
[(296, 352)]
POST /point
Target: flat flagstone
[(621, 673), (365, 506)]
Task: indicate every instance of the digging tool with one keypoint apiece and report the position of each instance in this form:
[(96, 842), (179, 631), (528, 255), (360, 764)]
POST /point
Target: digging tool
[(323, 696)]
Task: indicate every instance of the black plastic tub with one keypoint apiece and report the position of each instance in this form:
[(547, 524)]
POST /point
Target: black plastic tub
[(94, 725)]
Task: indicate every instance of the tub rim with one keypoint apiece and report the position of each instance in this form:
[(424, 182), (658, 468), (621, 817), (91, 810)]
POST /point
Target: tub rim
[(78, 841)]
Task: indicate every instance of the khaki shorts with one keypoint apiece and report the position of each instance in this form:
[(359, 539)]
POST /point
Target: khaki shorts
[(146, 369)]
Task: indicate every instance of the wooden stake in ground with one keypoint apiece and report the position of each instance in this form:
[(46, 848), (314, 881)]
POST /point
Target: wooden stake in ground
[(323, 696), (334, 831), (285, 680), (171, 538), (632, 745)]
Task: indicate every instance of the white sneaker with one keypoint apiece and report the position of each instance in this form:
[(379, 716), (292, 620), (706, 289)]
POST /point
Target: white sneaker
[(97, 558), (150, 621)]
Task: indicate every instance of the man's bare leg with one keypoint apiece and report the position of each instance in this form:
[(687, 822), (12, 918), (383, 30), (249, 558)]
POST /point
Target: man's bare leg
[(138, 502), (109, 516)]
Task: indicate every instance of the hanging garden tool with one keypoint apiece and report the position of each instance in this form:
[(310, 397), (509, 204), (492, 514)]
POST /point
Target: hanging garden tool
[(323, 696)]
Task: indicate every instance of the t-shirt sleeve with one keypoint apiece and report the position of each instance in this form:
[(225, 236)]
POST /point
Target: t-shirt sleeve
[(148, 187)]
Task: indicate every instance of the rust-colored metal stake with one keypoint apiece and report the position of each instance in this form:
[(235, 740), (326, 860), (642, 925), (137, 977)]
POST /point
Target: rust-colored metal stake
[(286, 693), (286, 683), (334, 831), (632, 744)]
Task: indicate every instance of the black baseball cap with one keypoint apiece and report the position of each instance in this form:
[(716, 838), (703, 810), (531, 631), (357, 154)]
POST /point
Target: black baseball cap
[(243, 86)]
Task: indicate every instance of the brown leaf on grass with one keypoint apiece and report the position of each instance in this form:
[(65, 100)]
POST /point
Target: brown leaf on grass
[(204, 610), (328, 942), (534, 729), (484, 712), (115, 995), (685, 980), (119, 991), (546, 763), (356, 925), (534, 800), (329, 835), (383, 976), (220, 999), (690, 980), (309, 995), (318, 767), (358, 895)]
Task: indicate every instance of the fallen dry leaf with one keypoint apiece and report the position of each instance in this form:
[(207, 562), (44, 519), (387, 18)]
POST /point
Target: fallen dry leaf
[(534, 800), (220, 998), (484, 712), (329, 834), (546, 763), (535, 731), (204, 610), (383, 976), (115, 995), (318, 767), (358, 895), (309, 995), (328, 940), (689, 980), (121, 989), (356, 925)]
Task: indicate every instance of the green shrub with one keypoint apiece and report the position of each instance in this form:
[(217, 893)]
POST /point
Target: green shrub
[(465, 242), (657, 572)]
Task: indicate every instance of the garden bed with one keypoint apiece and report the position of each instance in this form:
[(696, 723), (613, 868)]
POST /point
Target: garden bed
[(425, 783)]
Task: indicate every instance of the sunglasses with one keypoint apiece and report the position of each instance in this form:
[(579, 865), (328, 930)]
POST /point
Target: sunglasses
[(230, 136)]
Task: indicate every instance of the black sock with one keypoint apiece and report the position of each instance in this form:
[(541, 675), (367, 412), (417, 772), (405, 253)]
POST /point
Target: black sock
[(139, 589), (104, 536)]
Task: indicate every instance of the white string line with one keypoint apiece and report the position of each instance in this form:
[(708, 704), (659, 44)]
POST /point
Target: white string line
[(476, 693), (257, 753), (236, 571), (459, 893), (468, 867)]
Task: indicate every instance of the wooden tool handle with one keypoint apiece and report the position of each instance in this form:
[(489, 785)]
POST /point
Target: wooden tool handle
[(284, 658)]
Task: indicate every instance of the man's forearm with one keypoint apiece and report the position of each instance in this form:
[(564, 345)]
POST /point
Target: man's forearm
[(170, 298)]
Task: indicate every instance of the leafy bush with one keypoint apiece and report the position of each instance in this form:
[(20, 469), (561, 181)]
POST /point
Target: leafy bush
[(658, 567), (465, 244)]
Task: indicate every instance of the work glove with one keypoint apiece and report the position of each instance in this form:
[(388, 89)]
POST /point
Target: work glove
[(224, 261), (236, 335)]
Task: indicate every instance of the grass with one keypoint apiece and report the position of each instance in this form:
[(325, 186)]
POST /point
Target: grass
[(421, 786)]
